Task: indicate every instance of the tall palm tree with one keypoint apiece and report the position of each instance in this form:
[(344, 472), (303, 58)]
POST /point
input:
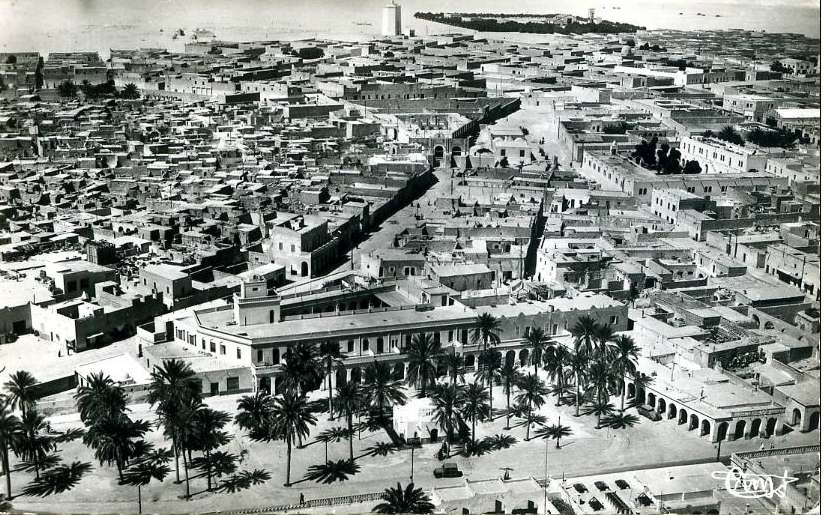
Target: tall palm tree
[(292, 419), (153, 465), (254, 413), (10, 432), (301, 368), (474, 406), (584, 333), (446, 409), (380, 388), (330, 353), (489, 367), (348, 401), (174, 390), (114, 439), (600, 376), (404, 500), (99, 397), (21, 391), (624, 362), (538, 343), (555, 360), (421, 355), (531, 396), (604, 335), (34, 440), (486, 330), (454, 363), (206, 434), (602, 409), (510, 377), (578, 366), (556, 432)]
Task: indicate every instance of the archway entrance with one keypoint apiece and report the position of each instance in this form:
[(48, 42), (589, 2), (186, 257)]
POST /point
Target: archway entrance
[(770, 427), (755, 425), (705, 429), (739, 430), (523, 357), (722, 431), (814, 421)]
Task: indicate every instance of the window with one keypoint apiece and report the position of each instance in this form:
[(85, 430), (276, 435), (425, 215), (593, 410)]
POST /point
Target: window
[(211, 346), (223, 349), (238, 353), (350, 346), (614, 320), (260, 355)]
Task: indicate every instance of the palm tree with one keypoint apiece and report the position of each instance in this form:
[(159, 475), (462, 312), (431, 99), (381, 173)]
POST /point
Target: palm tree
[(34, 443), (474, 406), (21, 391), (454, 363), (114, 439), (500, 441), (99, 397), (584, 333), (59, 479), (604, 335), (601, 409), (333, 434), (531, 396), (292, 419), (254, 413), (154, 465), (489, 361), (332, 471), (640, 382), (380, 388), (348, 400), (555, 359), (578, 366), (626, 355), (446, 409), (600, 376), (130, 91), (10, 432), (206, 434), (510, 376), (301, 370), (174, 389), (330, 353), (404, 500), (537, 342), (421, 355), (486, 330), (556, 432)]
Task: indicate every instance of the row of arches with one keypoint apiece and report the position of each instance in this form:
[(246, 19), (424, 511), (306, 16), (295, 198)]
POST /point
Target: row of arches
[(725, 430)]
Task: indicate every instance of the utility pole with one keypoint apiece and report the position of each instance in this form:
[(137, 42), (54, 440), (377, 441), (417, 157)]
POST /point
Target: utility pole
[(546, 443)]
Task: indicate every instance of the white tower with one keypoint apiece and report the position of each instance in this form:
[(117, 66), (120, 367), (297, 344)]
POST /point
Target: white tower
[(391, 23)]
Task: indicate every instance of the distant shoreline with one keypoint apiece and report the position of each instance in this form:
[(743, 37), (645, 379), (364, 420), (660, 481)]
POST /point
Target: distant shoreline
[(561, 24)]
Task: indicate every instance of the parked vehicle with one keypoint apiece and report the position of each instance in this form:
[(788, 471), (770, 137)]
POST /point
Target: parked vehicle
[(649, 411), (447, 470)]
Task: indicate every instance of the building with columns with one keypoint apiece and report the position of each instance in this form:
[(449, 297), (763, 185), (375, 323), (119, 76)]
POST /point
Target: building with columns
[(373, 321), (706, 402)]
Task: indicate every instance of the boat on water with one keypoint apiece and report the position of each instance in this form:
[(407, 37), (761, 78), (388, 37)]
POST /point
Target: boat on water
[(202, 34)]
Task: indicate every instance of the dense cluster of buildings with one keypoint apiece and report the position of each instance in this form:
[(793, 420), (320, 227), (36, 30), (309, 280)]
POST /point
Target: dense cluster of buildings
[(248, 199)]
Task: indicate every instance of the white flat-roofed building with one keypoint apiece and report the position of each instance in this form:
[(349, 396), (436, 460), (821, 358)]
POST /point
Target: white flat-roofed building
[(717, 156)]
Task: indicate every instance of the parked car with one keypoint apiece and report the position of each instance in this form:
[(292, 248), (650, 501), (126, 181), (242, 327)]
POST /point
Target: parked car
[(649, 411), (447, 470)]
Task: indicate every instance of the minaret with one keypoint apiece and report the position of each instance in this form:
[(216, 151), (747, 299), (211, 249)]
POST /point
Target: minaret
[(391, 22)]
